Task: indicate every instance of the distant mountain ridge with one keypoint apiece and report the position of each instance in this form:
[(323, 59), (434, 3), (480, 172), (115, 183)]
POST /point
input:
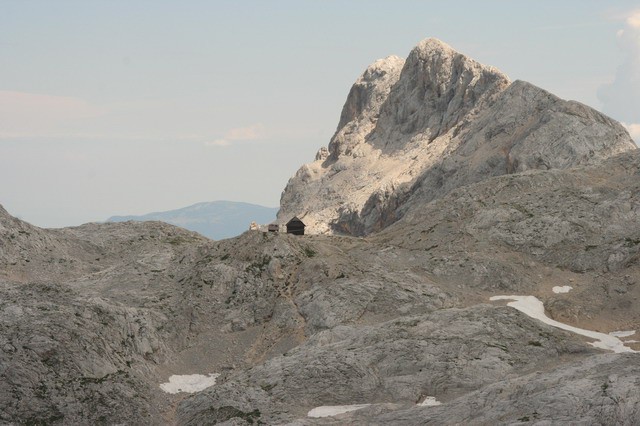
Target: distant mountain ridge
[(214, 219)]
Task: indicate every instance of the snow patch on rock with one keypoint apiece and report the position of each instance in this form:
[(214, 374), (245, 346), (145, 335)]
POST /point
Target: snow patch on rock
[(334, 410), (622, 333), (562, 289), (189, 383), (430, 401), (533, 307)]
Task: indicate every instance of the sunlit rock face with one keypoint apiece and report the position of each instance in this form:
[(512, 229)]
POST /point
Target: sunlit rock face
[(411, 131)]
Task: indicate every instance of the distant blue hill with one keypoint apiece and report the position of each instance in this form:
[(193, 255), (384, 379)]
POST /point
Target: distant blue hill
[(216, 219)]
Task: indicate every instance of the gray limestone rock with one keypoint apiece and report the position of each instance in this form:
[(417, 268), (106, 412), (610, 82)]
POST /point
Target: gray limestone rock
[(442, 122), (477, 187), (447, 353)]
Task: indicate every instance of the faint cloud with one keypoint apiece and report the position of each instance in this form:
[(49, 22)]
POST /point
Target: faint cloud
[(633, 20), (239, 134), (246, 133), (621, 97), (634, 131), (31, 113), (218, 142), (54, 105)]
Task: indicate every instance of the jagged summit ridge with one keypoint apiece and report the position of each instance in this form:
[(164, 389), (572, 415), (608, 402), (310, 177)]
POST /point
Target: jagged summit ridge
[(370, 89), (362, 107), (410, 131), (430, 91), (436, 89)]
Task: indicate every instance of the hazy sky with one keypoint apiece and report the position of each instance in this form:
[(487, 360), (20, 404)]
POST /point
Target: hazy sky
[(127, 107)]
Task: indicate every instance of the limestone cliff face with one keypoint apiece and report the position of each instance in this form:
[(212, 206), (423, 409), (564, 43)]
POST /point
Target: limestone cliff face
[(437, 89), (347, 150), (413, 130)]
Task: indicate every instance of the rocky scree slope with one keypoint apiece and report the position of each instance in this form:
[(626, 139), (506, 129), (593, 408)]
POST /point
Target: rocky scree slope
[(94, 318), (90, 339), (437, 121), (521, 234), (293, 323)]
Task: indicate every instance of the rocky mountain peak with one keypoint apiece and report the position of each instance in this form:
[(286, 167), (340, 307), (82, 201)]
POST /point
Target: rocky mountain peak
[(413, 130), (362, 107), (7, 221), (371, 87), (4, 218), (3, 212), (437, 88)]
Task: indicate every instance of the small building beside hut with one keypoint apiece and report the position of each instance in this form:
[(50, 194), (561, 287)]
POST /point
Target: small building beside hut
[(273, 227), (295, 226)]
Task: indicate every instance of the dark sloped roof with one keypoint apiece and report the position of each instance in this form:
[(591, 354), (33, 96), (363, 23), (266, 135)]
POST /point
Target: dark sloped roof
[(295, 221)]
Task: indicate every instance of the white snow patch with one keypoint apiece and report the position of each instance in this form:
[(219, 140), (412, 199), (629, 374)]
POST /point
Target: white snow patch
[(622, 333), (334, 410), (562, 289), (631, 341), (430, 401), (533, 307), (189, 383)]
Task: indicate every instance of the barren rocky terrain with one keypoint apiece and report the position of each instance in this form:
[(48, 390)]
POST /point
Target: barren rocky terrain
[(382, 315)]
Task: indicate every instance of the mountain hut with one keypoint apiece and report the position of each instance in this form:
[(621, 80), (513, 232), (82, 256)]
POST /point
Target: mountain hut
[(295, 226)]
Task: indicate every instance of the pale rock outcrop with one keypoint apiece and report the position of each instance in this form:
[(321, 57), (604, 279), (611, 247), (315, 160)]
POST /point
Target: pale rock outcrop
[(359, 116), (440, 122)]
